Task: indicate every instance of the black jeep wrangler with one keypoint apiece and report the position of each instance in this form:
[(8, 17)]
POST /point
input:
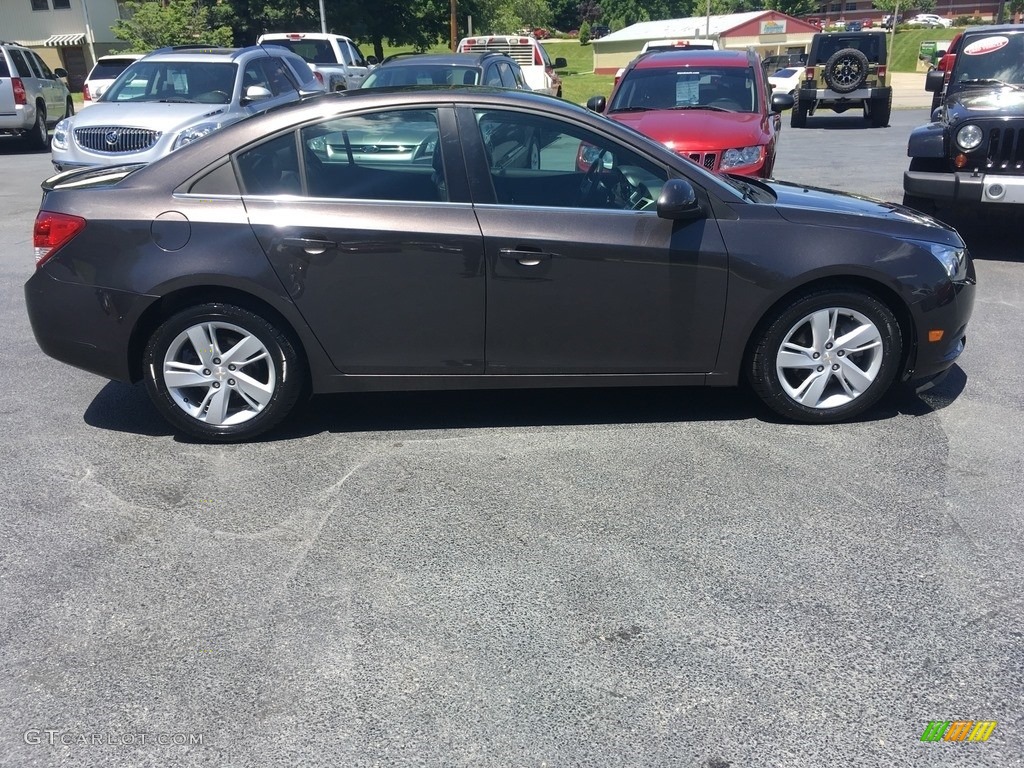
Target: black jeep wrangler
[(972, 153), (849, 71)]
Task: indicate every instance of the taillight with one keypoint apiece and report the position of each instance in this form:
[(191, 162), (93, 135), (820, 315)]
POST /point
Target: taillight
[(19, 91), (85, 93), (881, 70), (537, 59), (809, 73), (319, 77), (51, 231)]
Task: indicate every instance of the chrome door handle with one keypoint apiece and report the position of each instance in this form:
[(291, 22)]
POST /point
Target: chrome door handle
[(527, 258), (309, 245)]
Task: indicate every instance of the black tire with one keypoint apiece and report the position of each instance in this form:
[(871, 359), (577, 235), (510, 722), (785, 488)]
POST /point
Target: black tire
[(936, 101), (69, 107), (881, 109), (846, 70), (798, 117), (39, 136), (231, 399), (851, 376)]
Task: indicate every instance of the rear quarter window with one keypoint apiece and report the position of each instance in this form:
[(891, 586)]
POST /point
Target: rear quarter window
[(4, 69)]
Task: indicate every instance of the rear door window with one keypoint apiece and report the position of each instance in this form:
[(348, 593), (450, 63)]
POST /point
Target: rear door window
[(20, 63)]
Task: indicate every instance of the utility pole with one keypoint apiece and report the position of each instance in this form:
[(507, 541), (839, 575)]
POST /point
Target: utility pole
[(454, 23), (323, 18)]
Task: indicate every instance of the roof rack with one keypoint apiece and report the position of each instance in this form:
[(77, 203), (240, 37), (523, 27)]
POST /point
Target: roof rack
[(193, 47)]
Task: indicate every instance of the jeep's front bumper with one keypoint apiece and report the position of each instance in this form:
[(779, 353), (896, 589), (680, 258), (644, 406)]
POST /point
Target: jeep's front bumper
[(965, 187)]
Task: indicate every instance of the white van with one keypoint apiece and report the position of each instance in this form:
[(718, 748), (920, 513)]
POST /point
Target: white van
[(529, 54)]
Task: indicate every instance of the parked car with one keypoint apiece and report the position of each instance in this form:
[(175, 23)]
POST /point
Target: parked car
[(537, 66), (786, 80), (494, 69), (712, 107), (104, 72), (844, 71), (968, 157), (929, 20), (945, 64), (252, 267), (175, 96), (336, 58), (32, 98), (599, 30), (779, 61)]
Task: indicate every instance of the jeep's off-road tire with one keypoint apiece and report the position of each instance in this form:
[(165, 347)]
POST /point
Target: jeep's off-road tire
[(881, 109), (39, 136), (798, 117), (846, 70), (827, 355), (222, 373)]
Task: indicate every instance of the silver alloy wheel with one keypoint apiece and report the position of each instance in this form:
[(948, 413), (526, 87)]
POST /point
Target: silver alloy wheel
[(219, 373), (829, 358)]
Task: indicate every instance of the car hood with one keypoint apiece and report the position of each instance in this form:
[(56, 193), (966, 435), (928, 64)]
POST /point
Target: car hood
[(981, 101), (804, 205), (157, 116), (696, 129)]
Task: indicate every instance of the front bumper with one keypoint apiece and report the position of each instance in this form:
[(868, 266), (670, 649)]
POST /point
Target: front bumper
[(965, 187), (949, 311), (84, 326)]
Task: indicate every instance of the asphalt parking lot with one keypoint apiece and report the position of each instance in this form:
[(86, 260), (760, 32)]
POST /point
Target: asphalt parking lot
[(636, 577)]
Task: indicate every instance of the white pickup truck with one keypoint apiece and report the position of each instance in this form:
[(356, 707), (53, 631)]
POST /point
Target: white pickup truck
[(335, 57)]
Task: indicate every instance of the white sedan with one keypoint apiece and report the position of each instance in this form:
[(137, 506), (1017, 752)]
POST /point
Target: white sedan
[(786, 80), (929, 20)]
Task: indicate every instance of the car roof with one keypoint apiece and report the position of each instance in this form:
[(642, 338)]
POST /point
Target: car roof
[(303, 36), (113, 56), (656, 59), (443, 58)]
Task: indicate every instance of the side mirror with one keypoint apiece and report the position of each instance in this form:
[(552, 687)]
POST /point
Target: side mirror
[(561, 63), (597, 104), (60, 72), (782, 101), (934, 81), (256, 93), (678, 201), (372, 61)]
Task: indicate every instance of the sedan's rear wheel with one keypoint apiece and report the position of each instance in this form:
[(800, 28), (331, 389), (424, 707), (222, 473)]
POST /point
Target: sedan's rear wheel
[(827, 356), (222, 373)]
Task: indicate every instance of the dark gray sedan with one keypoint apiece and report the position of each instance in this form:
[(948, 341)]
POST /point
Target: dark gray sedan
[(383, 240)]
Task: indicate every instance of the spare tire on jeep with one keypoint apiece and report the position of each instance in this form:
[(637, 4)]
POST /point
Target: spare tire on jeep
[(846, 70)]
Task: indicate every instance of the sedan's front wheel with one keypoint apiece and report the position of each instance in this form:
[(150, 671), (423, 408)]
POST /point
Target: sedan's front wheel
[(827, 356), (222, 373)]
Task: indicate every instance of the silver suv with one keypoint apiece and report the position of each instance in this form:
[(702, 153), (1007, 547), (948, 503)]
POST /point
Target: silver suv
[(175, 96), (32, 98)]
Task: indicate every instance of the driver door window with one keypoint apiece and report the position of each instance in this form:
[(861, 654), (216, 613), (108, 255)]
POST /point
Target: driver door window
[(537, 161)]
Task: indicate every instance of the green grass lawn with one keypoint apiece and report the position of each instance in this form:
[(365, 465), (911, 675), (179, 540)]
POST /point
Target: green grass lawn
[(579, 82)]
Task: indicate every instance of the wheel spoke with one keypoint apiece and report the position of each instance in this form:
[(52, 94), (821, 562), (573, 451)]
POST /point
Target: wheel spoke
[(809, 393), (243, 351), (218, 405), (201, 343), (863, 337), (858, 379), (255, 393), (822, 327), (184, 375), (796, 360)]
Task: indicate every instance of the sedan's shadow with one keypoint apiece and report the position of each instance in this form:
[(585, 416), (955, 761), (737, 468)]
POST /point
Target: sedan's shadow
[(123, 408)]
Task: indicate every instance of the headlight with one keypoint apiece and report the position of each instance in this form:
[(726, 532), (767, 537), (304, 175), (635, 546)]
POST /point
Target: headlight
[(952, 259), (969, 137), (734, 158), (194, 133), (60, 134)]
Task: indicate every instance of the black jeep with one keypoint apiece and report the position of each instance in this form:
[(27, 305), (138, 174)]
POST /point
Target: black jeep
[(849, 71), (972, 153)]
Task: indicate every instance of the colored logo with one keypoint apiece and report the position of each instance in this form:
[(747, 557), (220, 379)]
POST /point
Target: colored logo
[(958, 730)]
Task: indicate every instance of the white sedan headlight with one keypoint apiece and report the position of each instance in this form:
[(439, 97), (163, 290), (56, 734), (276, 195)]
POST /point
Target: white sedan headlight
[(194, 133), (60, 134), (735, 158)]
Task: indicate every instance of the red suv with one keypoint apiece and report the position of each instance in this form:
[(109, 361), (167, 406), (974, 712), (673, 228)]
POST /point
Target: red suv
[(713, 107)]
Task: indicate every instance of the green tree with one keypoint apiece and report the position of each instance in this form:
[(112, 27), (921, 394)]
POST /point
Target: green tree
[(151, 25), (796, 8), (584, 33)]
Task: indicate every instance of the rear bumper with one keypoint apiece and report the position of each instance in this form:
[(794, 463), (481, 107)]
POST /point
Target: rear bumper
[(828, 96)]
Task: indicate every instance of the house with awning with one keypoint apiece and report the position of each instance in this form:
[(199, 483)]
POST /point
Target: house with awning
[(65, 33), (767, 32)]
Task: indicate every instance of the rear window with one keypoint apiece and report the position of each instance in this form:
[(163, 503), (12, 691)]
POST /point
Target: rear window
[(313, 51), (108, 69), (872, 46), (4, 71)]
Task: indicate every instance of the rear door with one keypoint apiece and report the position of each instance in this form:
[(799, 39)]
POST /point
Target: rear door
[(6, 87), (366, 221)]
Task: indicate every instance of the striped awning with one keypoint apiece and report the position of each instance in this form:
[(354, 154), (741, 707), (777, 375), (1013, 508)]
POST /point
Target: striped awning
[(59, 41)]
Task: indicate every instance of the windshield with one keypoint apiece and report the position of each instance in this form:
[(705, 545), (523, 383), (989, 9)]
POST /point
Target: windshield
[(420, 74), (175, 81), (729, 88), (990, 59)]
